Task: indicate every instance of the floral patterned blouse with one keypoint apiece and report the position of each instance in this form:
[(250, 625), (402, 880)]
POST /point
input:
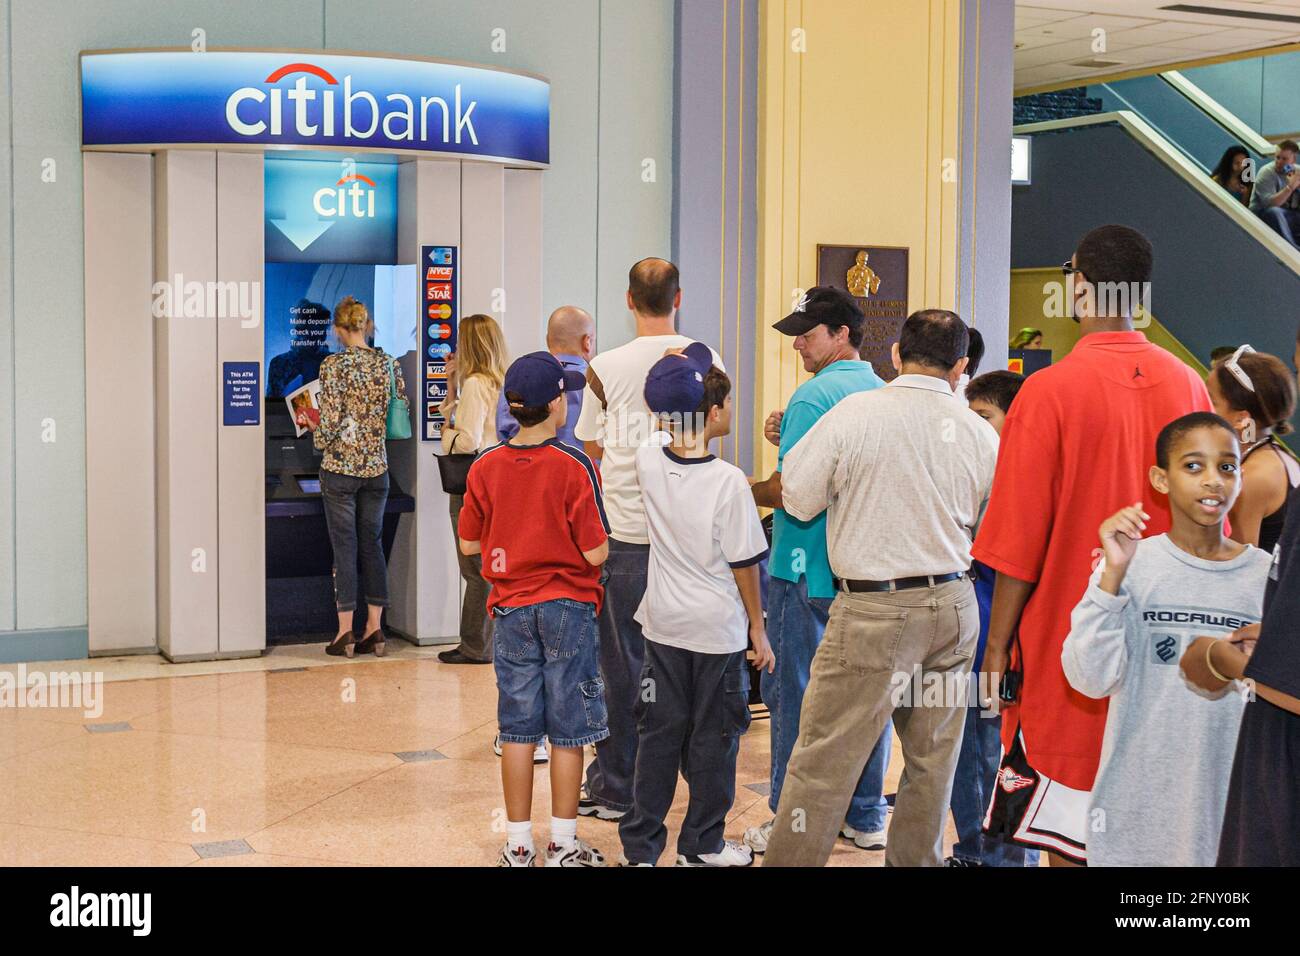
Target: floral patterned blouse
[(354, 390)]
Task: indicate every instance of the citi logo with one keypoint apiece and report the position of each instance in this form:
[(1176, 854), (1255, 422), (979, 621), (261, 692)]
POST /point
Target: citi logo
[(333, 201), (316, 112)]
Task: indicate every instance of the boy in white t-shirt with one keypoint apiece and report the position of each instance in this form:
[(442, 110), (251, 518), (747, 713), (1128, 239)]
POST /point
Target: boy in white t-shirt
[(702, 608)]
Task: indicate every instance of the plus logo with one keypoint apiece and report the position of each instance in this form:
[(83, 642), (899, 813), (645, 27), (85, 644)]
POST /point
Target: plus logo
[(318, 112), (334, 201)]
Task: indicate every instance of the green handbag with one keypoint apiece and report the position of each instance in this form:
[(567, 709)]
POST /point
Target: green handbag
[(399, 410)]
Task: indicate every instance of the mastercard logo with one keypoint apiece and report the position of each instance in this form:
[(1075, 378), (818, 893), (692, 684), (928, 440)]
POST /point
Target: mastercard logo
[(440, 311)]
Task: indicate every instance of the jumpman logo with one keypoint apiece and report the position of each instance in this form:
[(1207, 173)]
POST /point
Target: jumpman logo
[(1137, 372)]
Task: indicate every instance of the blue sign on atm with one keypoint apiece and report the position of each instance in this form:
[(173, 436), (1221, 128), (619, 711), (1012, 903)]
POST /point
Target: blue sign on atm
[(241, 394)]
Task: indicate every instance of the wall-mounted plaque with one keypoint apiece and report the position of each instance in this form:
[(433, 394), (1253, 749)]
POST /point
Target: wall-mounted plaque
[(876, 277)]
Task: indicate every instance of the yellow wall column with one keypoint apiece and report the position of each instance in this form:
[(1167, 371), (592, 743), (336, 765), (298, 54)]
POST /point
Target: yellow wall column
[(859, 104)]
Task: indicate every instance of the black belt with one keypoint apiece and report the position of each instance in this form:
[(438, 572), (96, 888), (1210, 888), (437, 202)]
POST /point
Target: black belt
[(898, 584)]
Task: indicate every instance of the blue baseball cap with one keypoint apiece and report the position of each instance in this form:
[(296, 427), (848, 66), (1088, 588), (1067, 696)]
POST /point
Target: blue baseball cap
[(539, 379), (675, 384)]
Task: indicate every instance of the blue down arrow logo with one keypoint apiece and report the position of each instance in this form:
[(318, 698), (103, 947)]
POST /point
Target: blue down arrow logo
[(302, 232)]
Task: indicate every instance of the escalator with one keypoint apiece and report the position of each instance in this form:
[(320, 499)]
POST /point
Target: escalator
[(1221, 276), (1189, 119)]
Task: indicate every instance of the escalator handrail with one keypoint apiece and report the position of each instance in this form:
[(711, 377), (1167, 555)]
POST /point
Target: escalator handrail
[(1238, 128), (1173, 158)]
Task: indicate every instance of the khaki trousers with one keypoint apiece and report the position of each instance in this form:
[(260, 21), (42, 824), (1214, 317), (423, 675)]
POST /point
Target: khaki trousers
[(866, 670)]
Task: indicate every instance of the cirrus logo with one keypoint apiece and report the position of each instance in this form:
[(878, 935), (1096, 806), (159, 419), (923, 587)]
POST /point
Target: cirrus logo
[(317, 111)]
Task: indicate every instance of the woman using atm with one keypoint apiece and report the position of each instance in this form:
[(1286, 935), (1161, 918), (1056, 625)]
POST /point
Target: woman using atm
[(355, 384)]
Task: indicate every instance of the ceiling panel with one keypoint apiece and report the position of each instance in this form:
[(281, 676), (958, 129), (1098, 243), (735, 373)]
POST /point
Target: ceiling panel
[(1052, 36)]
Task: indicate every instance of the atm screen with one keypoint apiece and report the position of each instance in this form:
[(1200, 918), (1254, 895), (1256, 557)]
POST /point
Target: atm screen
[(300, 299), (308, 484)]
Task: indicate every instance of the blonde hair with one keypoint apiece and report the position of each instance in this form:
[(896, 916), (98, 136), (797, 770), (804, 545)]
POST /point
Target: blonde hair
[(351, 315), (1024, 337), (481, 349)]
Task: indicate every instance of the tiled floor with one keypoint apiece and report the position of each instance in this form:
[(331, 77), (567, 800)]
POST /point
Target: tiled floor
[(288, 760)]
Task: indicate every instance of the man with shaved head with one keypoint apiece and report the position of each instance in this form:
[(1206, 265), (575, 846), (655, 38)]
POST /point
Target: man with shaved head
[(571, 338), (616, 420)]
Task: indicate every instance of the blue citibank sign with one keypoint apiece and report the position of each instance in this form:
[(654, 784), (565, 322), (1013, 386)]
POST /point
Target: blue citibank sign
[(152, 98)]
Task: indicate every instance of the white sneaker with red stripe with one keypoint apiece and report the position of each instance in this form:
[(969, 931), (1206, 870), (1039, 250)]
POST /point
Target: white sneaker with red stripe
[(576, 853)]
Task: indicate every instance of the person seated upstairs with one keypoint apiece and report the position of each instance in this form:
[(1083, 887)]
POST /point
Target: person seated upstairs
[(1231, 173), (1274, 198)]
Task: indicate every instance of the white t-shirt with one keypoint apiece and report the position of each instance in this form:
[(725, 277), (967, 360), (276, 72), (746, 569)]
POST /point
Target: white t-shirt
[(623, 424), (702, 522)]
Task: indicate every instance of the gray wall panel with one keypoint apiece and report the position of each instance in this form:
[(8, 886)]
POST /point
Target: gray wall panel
[(7, 549), (241, 449), (120, 528), (715, 202), (49, 480)]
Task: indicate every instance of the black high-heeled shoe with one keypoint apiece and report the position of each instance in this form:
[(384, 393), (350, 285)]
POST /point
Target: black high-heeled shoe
[(372, 643), (342, 646)]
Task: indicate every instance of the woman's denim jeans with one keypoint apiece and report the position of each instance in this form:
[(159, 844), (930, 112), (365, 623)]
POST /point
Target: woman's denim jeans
[(354, 515)]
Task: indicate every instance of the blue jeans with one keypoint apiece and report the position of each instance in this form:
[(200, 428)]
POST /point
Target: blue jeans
[(690, 719), (548, 682), (1286, 222), (972, 789), (354, 517), (622, 654), (795, 623)]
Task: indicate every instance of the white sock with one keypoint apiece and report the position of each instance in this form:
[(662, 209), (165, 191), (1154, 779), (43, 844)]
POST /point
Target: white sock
[(519, 835), (564, 832)]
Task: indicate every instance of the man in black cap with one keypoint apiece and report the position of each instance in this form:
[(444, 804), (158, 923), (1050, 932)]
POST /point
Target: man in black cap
[(827, 330)]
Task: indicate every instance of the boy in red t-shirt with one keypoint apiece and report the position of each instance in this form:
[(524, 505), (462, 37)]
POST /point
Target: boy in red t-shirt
[(1076, 447), (533, 509)]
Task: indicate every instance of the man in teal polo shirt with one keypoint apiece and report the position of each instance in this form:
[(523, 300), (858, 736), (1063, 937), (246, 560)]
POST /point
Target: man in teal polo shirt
[(827, 327)]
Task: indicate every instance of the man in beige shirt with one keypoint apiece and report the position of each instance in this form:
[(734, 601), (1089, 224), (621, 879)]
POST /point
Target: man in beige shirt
[(904, 473)]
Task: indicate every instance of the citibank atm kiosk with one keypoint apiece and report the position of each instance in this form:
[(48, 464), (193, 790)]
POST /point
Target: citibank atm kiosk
[(350, 248), (232, 198)]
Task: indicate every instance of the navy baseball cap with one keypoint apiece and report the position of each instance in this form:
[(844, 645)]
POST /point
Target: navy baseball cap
[(822, 305), (675, 384), (539, 378)]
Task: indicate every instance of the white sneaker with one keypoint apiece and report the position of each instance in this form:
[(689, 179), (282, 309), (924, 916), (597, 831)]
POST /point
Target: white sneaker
[(587, 807), (756, 837), (623, 861), (519, 856), (863, 840), (575, 854), (731, 854), (540, 755)]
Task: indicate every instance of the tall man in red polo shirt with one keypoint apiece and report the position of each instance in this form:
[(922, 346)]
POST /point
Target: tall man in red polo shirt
[(1076, 447)]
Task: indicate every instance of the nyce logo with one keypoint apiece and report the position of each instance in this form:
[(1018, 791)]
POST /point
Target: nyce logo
[(102, 909)]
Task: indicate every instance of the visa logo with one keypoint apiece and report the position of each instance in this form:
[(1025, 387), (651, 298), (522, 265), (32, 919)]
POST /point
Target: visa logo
[(316, 112), (339, 195)]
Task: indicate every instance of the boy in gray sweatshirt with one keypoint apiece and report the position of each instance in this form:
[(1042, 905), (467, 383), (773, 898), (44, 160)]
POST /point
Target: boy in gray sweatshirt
[(1167, 753)]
